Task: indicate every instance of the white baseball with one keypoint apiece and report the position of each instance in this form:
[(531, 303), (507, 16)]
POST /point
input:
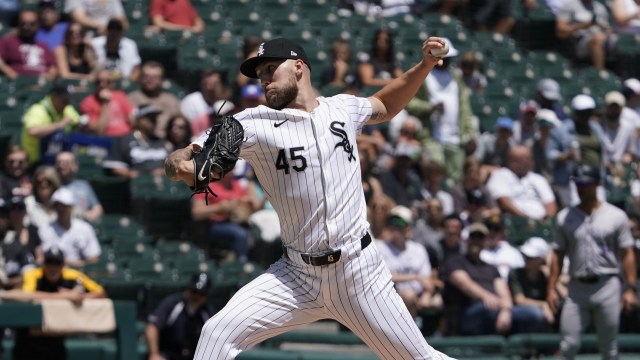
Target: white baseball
[(440, 52)]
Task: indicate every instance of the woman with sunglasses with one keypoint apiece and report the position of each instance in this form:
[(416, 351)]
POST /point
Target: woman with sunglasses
[(76, 59)]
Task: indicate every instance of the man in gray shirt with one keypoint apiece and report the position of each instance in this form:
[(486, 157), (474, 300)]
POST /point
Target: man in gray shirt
[(595, 236)]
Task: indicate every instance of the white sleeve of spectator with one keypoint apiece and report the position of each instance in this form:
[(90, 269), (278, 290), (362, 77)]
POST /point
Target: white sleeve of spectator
[(425, 269), (497, 184), (92, 246), (71, 5), (544, 189)]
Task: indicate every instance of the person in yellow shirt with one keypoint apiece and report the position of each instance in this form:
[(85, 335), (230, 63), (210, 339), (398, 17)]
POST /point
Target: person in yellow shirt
[(51, 281), (45, 123)]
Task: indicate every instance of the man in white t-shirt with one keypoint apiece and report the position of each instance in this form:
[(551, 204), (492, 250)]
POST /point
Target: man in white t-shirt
[(408, 262), (518, 190), (75, 237)]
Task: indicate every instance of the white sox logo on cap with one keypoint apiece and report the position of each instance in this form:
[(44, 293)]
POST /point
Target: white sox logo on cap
[(261, 50)]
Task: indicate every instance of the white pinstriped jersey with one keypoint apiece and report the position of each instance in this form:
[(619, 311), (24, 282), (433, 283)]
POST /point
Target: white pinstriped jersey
[(308, 165)]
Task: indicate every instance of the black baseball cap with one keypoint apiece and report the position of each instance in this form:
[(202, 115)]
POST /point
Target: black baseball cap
[(585, 174), (47, 4), (54, 256), (279, 48), (200, 283)]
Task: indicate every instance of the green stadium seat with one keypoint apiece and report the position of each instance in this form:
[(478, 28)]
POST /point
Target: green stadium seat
[(173, 250), (519, 229), (157, 289)]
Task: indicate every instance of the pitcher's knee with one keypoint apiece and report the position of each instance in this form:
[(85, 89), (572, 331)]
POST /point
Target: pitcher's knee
[(219, 339)]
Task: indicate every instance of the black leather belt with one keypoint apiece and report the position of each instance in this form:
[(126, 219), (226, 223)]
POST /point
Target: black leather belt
[(329, 257), (592, 279)]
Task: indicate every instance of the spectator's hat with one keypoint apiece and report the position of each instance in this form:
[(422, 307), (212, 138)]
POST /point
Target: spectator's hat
[(535, 247), (148, 111), (633, 85), (54, 256), (59, 89), (200, 283), (63, 196), (546, 117), (614, 97), (478, 228), (549, 89), (400, 216), (251, 91), (453, 52), (583, 102), (529, 106), (279, 48), (585, 174), (504, 123)]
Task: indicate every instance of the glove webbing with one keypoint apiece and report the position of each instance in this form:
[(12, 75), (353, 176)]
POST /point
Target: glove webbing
[(207, 190)]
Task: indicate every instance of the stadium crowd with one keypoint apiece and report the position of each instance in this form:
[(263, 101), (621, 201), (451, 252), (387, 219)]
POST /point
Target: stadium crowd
[(465, 214)]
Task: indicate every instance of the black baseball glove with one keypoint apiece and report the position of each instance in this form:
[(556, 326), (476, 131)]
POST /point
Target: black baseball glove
[(218, 155)]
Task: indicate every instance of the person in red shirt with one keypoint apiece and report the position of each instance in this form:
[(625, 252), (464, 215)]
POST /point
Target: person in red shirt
[(175, 15), (21, 54), (109, 110), (226, 213)]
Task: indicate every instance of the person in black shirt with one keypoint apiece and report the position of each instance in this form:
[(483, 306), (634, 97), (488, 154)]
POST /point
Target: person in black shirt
[(173, 328)]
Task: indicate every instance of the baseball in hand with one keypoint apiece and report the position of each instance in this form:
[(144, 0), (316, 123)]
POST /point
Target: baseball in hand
[(440, 52)]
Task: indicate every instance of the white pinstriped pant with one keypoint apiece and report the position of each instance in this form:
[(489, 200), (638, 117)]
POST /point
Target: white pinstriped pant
[(356, 291)]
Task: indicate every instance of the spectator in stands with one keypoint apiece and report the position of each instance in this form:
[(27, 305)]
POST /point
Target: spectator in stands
[(173, 328), (626, 16), (586, 24), (409, 263), (472, 72), (75, 237), (620, 138), (340, 73), (471, 199), (401, 182), (631, 92), (562, 153), (546, 121), (45, 123), (442, 105), (88, 206), (251, 95), (212, 89), (433, 175), (21, 54), (76, 58), (39, 206), (440, 249), (587, 131), (151, 92), (51, 31), (477, 300), (491, 15), (250, 46), (497, 250), (429, 227), (139, 152), (378, 67), (14, 257), (548, 96), (117, 53), (493, 147), (525, 129), (175, 15), (109, 110), (51, 281), (518, 190), (15, 179), (528, 284), (225, 213), (96, 14), (26, 233), (178, 132), (374, 196)]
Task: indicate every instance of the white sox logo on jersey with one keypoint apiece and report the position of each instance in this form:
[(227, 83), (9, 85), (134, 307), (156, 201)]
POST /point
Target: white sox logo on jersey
[(336, 129)]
